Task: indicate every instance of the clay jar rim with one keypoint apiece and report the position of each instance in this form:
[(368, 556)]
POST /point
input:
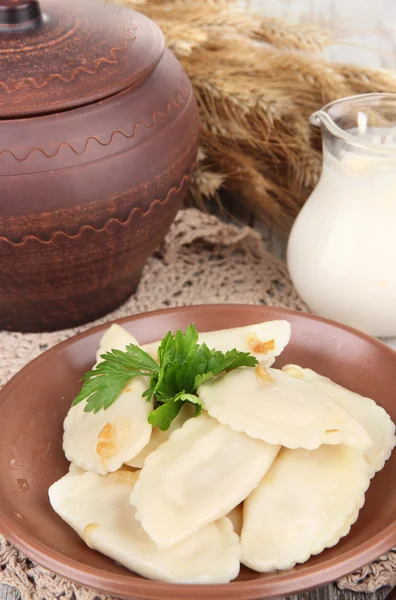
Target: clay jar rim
[(281, 583)]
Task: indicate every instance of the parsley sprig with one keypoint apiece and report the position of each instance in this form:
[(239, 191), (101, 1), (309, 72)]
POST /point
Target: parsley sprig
[(182, 366)]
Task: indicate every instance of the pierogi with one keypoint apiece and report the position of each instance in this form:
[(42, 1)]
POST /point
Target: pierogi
[(102, 442), (305, 503), (98, 509), (277, 408), (374, 419), (200, 474), (265, 340)]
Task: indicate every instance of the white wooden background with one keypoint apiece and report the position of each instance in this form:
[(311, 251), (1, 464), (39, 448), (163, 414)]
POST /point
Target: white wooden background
[(368, 27)]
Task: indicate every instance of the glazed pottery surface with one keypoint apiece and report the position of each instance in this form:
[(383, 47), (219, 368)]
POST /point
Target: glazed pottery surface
[(34, 403), (98, 135)]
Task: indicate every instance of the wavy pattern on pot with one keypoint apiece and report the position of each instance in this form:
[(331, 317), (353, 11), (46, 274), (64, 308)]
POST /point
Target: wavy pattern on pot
[(173, 191), (92, 132)]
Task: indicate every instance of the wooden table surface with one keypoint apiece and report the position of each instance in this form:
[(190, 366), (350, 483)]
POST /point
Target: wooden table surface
[(368, 33), (328, 593)]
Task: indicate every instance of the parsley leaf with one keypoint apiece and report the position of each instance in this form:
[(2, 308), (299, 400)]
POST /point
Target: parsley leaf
[(183, 365), (163, 416), (103, 384), (220, 363), (179, 347)]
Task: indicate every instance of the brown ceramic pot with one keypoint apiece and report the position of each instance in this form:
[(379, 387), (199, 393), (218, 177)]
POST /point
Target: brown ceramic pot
[(98, 135)]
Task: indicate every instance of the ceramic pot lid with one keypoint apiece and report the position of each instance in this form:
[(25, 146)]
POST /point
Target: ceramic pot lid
[(60, 54)]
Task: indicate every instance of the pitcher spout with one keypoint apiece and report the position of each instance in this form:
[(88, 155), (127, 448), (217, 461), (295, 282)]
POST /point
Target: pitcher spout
[(365, 123)]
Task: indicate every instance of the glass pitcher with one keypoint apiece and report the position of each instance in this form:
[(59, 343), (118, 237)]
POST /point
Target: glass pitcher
[(342, 249)]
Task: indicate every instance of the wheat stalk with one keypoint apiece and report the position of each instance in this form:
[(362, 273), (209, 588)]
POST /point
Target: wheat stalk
[(257, 79)]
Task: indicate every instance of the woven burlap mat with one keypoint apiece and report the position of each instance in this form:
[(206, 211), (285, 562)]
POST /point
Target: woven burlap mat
[(201, 261)]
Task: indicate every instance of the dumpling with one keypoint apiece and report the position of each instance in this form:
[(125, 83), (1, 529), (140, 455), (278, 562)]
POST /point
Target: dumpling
[(307, 501), (114, 338), (151, 348), (102, 442), (200, 474), (264, 340), (98, 509), (277, 408), (345, 529), (374, 419), (158, 437)]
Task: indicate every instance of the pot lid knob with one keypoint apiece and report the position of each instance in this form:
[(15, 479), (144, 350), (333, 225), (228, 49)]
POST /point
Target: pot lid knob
[(19, 13)]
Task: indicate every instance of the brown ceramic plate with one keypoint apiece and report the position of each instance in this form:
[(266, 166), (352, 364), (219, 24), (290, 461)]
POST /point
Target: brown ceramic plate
[(34, 404)]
